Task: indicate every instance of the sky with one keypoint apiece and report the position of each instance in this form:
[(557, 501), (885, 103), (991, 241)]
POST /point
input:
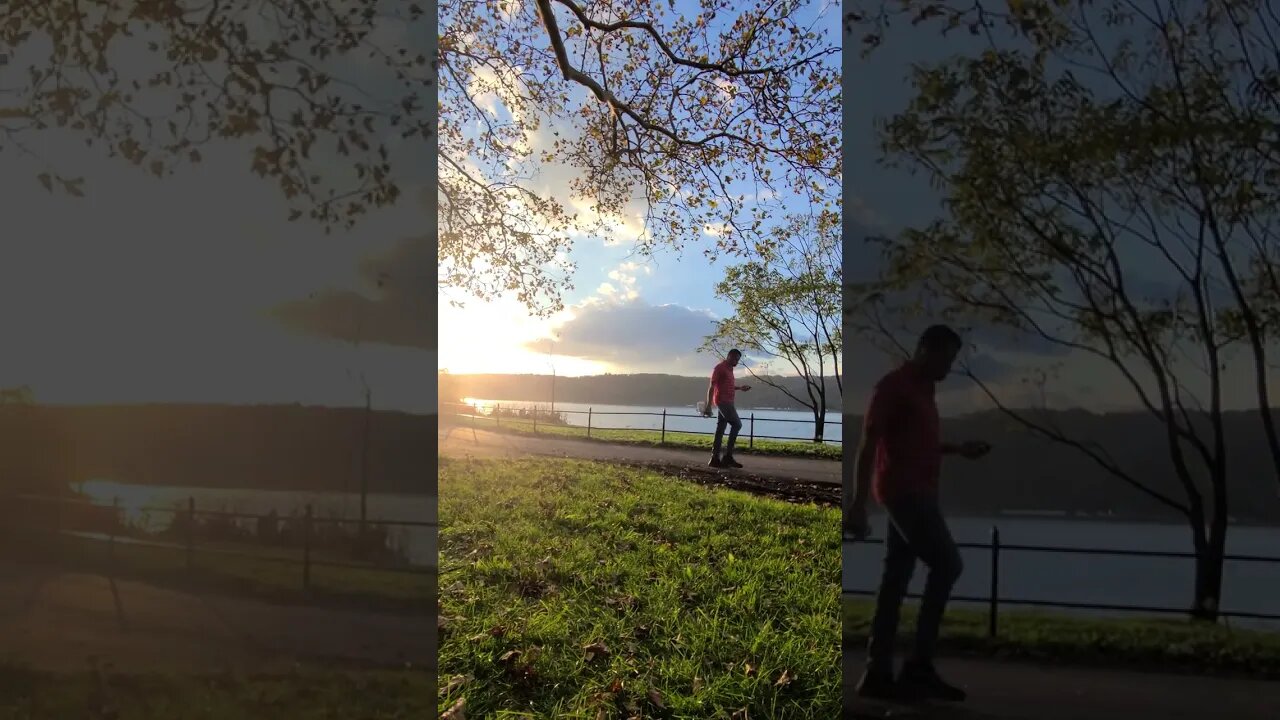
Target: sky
[(196, 288), (625, 314), (883, 201)]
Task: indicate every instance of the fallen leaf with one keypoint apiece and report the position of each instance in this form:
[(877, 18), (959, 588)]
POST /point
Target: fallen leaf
[(497, 631), (615, 686), (477, 638), (740, 715), (457, 712), (655, 697), (509, 656), (456, 682), (595, 649), (784, 679), (750, 669), (697, 685)]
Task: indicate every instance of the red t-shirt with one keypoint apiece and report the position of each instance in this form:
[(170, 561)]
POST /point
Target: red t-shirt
[(722, 383), (904, 415)]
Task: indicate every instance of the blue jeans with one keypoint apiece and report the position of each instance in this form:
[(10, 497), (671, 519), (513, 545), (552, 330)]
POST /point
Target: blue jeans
[(728, 415), (917, 530)]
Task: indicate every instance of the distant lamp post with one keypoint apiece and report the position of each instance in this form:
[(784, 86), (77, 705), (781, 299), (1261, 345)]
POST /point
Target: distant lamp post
[(551, 358)]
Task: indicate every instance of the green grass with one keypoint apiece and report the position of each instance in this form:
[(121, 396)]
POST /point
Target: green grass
[(369, 695), (795, 448), (707, 601), (1145, 643), (257, 572)]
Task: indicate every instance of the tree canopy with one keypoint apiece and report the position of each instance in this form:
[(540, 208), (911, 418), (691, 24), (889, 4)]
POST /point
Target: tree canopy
[(695, 114), (330, 96)]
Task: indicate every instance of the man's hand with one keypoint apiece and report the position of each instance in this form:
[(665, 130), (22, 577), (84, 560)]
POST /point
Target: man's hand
[(744, 388), (857, 525), (973, 449)]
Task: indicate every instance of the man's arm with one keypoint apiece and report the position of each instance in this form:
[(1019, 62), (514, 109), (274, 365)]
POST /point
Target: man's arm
[(879, 410), (711, 386), (865, 465)]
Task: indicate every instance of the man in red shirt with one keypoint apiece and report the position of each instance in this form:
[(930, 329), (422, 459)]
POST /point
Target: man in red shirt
[(899, 459), (720, 393)]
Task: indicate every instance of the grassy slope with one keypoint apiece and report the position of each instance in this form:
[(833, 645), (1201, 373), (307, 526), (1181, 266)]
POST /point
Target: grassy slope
[(707, 601)]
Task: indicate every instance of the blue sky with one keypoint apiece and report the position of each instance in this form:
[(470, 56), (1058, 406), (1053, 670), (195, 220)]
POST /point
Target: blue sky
[(625, 313)]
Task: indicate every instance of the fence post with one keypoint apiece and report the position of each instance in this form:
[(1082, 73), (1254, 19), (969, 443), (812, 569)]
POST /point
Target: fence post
[(589, 410), (751, 439), (497, 415), (663, 441), (535, 419), (191, 532), (306, 549), (111, 532), (995, 581)]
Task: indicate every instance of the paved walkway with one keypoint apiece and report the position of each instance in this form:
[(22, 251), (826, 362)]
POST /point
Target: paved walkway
[(458, 441), (1023, 691), (61, 621)]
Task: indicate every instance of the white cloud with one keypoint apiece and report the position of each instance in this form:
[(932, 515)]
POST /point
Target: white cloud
[(716, 230), (629, 335)]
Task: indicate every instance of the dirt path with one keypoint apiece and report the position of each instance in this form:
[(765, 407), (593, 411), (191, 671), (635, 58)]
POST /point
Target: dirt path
[(60, 621), (789, 478), (1022, 691)]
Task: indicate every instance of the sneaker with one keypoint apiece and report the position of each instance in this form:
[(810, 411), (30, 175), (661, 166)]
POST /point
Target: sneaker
[(877, 685), (920, 679), (730, 462), (715, 462)]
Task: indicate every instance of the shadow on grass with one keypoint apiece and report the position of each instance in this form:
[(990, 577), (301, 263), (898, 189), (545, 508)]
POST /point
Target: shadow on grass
[(245, 580)]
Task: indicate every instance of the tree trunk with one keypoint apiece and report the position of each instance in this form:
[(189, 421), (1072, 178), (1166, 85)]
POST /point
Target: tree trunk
[(819, 421), (1209, 565)]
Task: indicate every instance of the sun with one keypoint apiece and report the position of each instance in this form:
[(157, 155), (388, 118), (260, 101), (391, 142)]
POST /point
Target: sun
[(500, 337)]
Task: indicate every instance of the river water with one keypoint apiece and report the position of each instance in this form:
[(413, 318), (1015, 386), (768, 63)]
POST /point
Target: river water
[(776, 424)]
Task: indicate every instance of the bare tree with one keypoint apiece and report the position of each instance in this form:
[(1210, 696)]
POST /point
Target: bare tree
[(1111, 190), (787, 307)]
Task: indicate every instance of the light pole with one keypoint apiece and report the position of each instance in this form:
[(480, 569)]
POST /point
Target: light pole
[(551, 358)]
